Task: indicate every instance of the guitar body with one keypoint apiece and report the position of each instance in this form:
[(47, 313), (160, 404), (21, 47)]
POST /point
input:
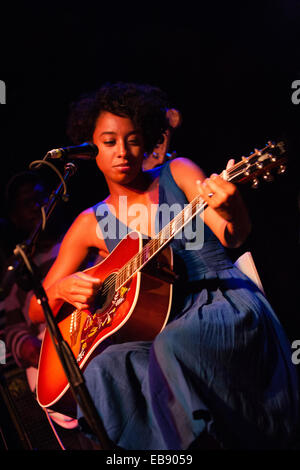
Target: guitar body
[(139, 310)]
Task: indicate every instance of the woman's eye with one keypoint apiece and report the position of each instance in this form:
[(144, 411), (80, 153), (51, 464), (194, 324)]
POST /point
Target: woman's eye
[(109, 142), (134, 142)]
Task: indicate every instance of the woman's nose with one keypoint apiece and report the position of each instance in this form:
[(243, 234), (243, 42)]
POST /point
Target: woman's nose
[(122, 149)]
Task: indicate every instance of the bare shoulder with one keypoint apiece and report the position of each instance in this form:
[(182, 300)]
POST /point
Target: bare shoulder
[(83, 223), (184, 171), (92, 232), (86, 217), (84, 229)]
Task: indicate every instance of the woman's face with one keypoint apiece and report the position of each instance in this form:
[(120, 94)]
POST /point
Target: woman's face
[(121, 149)]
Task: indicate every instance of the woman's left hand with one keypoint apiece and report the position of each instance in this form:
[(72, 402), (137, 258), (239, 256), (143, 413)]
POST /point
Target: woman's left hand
[(226, 214), (222, 196)]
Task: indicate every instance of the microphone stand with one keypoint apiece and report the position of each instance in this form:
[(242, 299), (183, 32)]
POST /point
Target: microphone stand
[(65, 354)]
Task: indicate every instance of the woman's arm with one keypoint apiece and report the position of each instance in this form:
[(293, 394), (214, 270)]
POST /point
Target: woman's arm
[(226, 213), (63, 283)]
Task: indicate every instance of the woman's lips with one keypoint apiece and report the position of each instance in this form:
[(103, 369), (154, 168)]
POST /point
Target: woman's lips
[(124, 167)]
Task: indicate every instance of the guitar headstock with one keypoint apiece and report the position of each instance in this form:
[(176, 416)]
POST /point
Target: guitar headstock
[(259, 164)]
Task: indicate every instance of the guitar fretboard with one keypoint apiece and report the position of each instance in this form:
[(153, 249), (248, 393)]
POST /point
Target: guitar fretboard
[(237, 173)]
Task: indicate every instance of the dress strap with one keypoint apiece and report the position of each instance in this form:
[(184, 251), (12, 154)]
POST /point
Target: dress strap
[(111, 229)]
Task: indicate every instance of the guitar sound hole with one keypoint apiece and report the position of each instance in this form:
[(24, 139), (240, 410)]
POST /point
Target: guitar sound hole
[(105, 295)]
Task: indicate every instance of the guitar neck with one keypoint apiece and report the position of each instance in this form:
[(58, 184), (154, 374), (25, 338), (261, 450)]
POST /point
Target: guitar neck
[(246, 169)]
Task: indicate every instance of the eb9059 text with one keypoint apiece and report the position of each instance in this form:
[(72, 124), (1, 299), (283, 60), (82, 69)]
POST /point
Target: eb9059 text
[(174, 459)]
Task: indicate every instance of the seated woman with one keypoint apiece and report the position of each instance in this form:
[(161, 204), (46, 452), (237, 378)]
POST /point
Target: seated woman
[(222, 366)]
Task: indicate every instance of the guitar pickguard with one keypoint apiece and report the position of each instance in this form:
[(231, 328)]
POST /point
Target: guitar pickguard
[(95, 323)]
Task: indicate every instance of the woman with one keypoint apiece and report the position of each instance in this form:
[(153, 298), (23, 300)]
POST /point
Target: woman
[(221, 367)]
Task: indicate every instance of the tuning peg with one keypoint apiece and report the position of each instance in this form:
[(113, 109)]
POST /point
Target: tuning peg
[(255, 183), (247, 167), (268, 177), (271, 157), (281, 169)]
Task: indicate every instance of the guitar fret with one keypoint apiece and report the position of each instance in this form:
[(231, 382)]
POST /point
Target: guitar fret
[(151, 249), (173, 224), (134, 264), (146, 254), (127, 270)]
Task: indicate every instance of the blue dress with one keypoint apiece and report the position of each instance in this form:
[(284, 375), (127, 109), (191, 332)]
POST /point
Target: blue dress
[(221, 367)]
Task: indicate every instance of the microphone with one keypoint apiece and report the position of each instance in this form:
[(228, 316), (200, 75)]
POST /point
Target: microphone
[(86, 151)]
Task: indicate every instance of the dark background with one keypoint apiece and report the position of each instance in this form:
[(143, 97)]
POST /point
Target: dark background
[(228, 66)]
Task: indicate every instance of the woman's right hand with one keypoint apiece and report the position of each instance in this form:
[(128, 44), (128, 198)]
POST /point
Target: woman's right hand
[(78, 289)]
